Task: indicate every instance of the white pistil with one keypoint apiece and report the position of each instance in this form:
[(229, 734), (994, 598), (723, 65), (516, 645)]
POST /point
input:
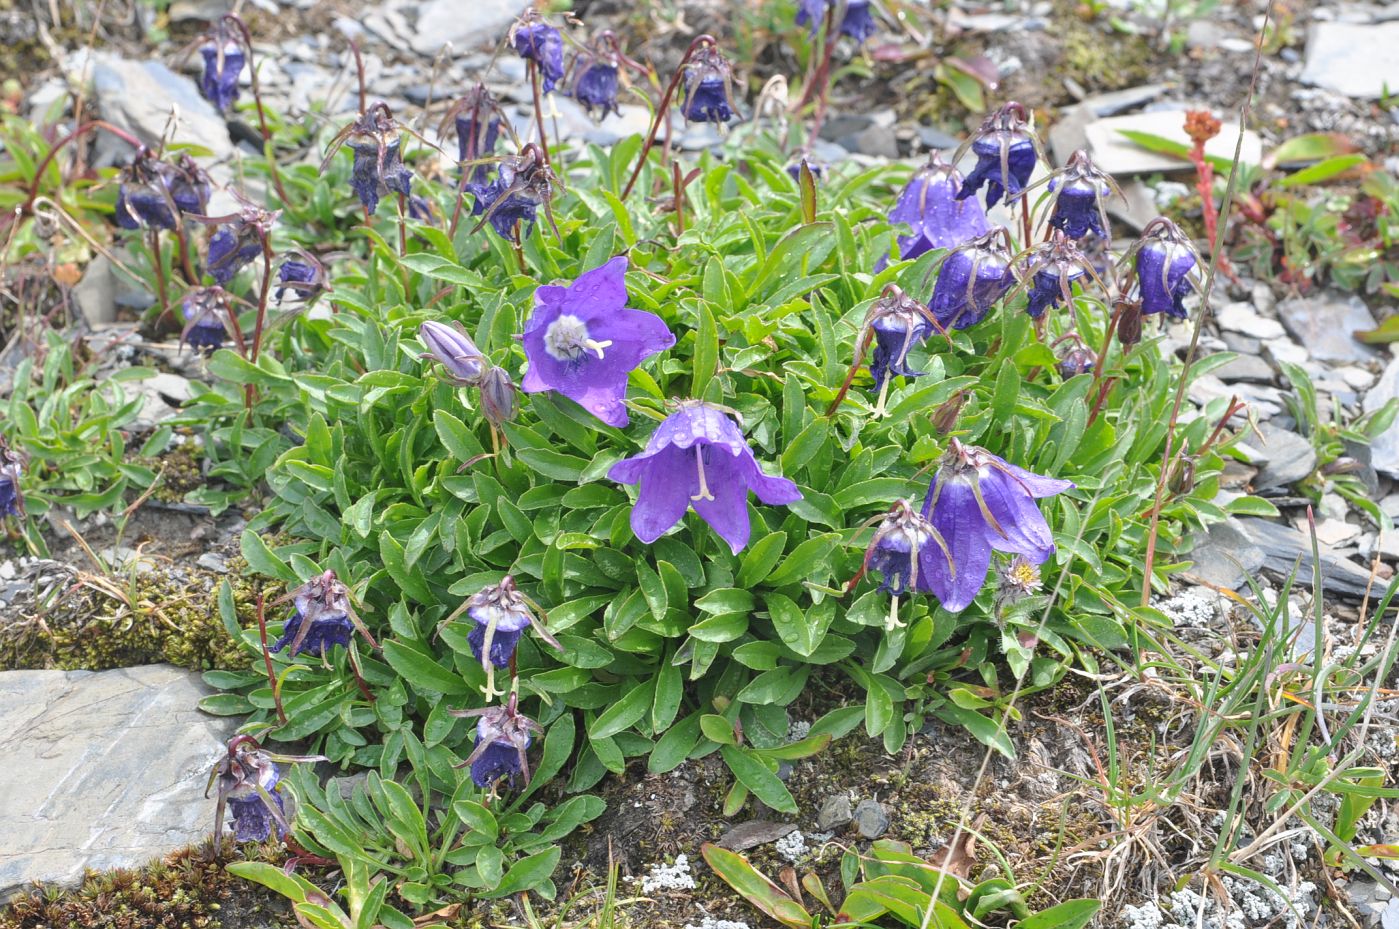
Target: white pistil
[(567, 338), (891, 622), (883, 395), (486, 663), (704, 493)]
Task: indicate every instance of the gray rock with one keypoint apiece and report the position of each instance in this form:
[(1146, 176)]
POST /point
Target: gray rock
[(1326, 324), (870, 819), (1290, 457), (106, 769), (96, 293), (1120, 101), (1283, 546), (1113, 153), (754, 833), (932, 137), (444, 21), (140, 96), (876, 141), (1241, 317), (1225, 555), (835, 812), (1246, 368), (212, 561), (1384, 449), (1136, 207), (1352, 59)]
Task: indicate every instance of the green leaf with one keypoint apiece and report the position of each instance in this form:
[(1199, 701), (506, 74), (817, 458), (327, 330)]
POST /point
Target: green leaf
[(755, 888), (625, 713), (1324, 171), (1071, 914), (761, 557), (292, 886), (759, 778), (1164, 146), (527, 873), (262, 559), (717, 729), (422, 672), (705, 363), (801, 633)]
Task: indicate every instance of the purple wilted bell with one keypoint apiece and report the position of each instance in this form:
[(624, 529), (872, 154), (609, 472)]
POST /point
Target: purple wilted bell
[(1078, 359), (499, 402), (977, 503), (1005, 155), (502, 743), (189, 185), (1052, 268), (1164, 259), (499, 615), (144, 197), (223, 62), (206, 311), (248, 777), (523, 184), (698, 457), (598, 72), (378, 170), (231, 247), (972, 278), (303, 275), (1080, 192), (930, 206), (11, 469), (896, 322), (322, 617), (908, 553), (857, 23), (707, 81), (582, 341), (538, 42)]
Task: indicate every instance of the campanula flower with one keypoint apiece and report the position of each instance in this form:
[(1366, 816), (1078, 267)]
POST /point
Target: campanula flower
[(499, 615), (420, 208), (223, 61), (698, 457), (503, 737), (706, 82), (301, 274), (971, 279), (978, 502), (231, 248), (322, 617), (897, 323), (1005, 155), (930, 206), (1080, 191), (1164, 260), (816, 168), (189, 185), (523, 183), (248, 778), (539, 42), (11, 469), (582, 341), (378, 170), (908, 553), (206, 311), (857, 23), (451, 346), (595, 89), (1079, 359), (476, 118), (144, 196), (499, 400), (1052, 268)]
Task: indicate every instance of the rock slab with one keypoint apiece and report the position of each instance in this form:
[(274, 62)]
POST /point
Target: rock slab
[(1326, 324), (139, 96), (1353, 59), (104, 770)]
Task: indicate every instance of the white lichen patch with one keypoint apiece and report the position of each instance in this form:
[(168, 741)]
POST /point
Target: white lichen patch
[(663, 876), (792, 846), (709, 922)]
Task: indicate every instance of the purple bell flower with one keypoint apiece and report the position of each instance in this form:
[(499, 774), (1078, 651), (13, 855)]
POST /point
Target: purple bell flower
[(499, 399), (1052, 269), (857, 23), (206, 313), (1079, 359), (223, 61), (929, 205), (499, 615), (248, 778), (1080, 189), (502, 743), (595, 88), (1165, 259), (322, 618), (972, 278), (11, 469), (582, 341), (897, 323), (539, 42), (451, 346), (373, 177), (189, 186), (1005, 156), (698, 457), (977, 503), (706, 83), (144, 197), (908, 553), (303, 276), (231, 248)]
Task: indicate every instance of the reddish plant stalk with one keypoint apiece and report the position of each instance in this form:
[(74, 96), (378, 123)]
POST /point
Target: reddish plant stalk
[(663, 110), (538, 108), (268, 149), (267, 662)]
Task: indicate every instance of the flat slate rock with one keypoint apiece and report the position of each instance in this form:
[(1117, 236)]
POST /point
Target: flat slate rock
[(1384, 449), (754, 833), (1114, 153), (139, 96), (1353, 59), (102, 769), (1282, 547), (1290, 458), (1225, 555), (1326, 324)]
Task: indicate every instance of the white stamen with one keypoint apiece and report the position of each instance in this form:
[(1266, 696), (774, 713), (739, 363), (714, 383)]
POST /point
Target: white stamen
[(567, 339), (704, 493), (883, 395), (891, 622)]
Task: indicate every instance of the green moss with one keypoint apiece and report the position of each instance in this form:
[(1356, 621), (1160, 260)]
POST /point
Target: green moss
[(1102, 61)]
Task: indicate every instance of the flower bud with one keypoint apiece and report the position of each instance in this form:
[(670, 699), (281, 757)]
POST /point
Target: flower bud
[(451, 346), (498, 399)]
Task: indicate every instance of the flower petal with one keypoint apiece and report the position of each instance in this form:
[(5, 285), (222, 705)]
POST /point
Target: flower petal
[(774, 490), (1022, 526), (957, 518), (726, 479), (668, 480)]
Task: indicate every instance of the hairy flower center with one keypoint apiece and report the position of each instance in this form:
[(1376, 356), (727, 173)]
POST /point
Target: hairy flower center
[(567, 339)]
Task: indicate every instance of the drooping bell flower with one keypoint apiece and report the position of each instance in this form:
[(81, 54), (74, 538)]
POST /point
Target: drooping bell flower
[(908, 553), (499, 615), (248, 777), (1052, 268), (978, 503), (582, 341), (511, 201), (698, 457), (897, 323), (1080, 193), (223, 61), (144, 197), (322, 617), (929, 204), (206, 311), (189, 185), (857, 23), (707, 81), (231, 248), (971, 279), (1164, 260), (301, 274), (503, 737), (11, 470), (538, 42), (451, 346), (1005, 155), (378, 170), (499, 400), (1078, 359)]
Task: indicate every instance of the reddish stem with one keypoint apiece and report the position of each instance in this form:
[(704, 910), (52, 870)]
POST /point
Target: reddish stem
[(267, 661), (159, 267), (269, 150), (663, 110), (538, 108)]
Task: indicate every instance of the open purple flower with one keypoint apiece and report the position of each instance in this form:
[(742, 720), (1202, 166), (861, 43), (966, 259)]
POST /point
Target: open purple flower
[(323, 617), (582, 341), (971, 279), (1080, 190), (929, 205), (206, 311), (706, 83), (539, 42), (503, 737), (1165, 259), (857, 23), (977, 503), (1005, 155), (11, 469), (698, 457), (223, 61), (909, 554)]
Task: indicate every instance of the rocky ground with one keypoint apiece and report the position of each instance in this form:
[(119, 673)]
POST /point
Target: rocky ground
[(98, 787)]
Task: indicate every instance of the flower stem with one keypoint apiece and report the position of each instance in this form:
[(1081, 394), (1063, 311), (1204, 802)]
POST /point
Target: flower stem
[(268, 149), (662, 110), (538, 108), (158, 267), (267, 660)]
